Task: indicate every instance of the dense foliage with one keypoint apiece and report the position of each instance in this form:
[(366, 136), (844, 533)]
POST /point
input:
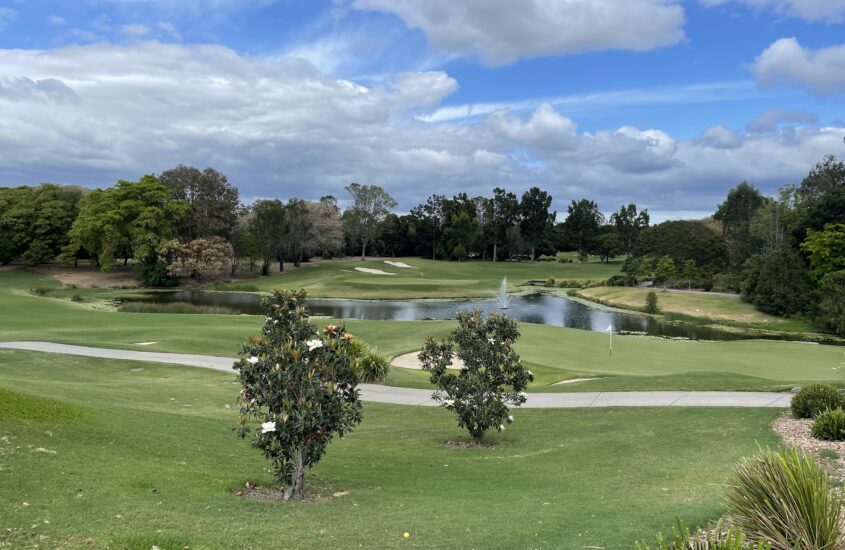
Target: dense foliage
[(785, 498), (299, 385), (491, 379), (813, 399), (830, 425)]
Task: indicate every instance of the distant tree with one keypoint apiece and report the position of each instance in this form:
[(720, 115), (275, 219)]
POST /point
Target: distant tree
[(695, 240), (583, 223), (325, 229), (777, 282), (607, 243), (493, 378), (689, 271), (431, 217), (826, 249), (267, 227), (629, 223), (515, 241), (131, 219), (201, 257), (297, 230), (213, 201), (736, 215), (34, 221), (244, 245), (300, 386), (504, 211), (664, 269), (832, 305), (535, 218), (370, 205), (651, 303)]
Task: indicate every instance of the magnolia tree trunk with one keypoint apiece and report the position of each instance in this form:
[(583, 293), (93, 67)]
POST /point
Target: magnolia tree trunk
[(296, 489)]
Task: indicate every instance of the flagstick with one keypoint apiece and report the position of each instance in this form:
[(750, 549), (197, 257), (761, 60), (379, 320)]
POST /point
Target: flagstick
[(611, 340)]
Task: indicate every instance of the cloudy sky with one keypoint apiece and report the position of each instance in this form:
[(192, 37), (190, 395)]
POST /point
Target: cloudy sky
[(665, 103)]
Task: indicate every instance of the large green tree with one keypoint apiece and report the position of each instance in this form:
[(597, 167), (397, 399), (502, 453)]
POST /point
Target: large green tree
[(130, 220), (777, 282), (431, 216), (629, 223), (267, 228), (582, 225), (736, 215), (370, 205), (684, 240), (536, 220), (825, 249), (504, 212), (213, 201)]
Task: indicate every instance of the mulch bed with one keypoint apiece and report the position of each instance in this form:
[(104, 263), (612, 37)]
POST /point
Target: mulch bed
[(795, 432), (468, 445), (277, 494)]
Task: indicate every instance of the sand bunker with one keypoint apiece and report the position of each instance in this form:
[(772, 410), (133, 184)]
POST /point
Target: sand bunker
[(574, 380), (373, 271), (401, 265), (410, 361)]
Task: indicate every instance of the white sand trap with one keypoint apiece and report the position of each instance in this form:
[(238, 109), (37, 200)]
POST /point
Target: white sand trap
[(574, 380), (410, 361), (401, 265), (373, 271), (145, 343)]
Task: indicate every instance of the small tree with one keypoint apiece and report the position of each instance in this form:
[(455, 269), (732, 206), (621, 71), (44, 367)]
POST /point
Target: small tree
[(651, 303), (690, 271), (664, 269), (491, 379), (299, 385), (201, 257)]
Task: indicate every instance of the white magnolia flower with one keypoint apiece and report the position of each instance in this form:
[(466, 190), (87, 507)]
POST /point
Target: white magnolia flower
[(314, 344), (269, 318), (501, 427), (530, 373), (523, 394), (275, 321), (268, 427), (449, 402), (510, 418), (491, 340), (253, 360)]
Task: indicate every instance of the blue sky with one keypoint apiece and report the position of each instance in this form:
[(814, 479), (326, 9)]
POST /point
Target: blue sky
[(660, 102)]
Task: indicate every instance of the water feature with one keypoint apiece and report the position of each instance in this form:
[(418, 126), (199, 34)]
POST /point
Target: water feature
[(502, 295), (536, 308)]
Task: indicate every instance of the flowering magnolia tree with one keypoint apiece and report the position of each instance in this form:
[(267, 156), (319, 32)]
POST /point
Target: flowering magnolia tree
[(299, 385), (492, 378)]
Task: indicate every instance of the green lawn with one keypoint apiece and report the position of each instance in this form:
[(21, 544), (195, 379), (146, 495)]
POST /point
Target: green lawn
[(714, 307), (426, 279), (107, 457), (553, 353)]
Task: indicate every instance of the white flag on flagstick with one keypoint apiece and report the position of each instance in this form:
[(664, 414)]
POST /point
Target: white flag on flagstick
[(609, 328)]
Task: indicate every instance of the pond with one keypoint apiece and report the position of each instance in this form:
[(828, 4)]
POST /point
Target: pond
[(544, 309)]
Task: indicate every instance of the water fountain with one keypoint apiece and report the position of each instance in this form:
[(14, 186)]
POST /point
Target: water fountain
[(503, 296)]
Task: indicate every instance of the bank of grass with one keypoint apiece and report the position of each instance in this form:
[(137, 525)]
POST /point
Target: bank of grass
[(553, 353), (106, 456), (426, 278), (695, 305)]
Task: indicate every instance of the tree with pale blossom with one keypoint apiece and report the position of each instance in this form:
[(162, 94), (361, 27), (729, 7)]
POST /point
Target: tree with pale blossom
[(491, 378), (299, 389), (200, 257)]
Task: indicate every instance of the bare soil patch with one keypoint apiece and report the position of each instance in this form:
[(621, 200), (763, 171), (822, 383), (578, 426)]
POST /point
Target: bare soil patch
[(468, 445), (277, 494), (89, 276)]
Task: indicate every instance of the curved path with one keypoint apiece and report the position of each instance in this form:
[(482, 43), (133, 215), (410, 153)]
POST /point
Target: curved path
[(409, 396)]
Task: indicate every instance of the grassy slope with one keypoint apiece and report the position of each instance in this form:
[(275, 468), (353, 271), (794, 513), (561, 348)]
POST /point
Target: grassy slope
[(338, 279), (708, 306), (149, 458), (553, 353)]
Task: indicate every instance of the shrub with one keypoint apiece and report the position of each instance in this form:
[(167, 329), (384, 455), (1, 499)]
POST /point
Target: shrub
[(830, 425), (370, 366), (546, 258), (550, 282), (712, 538), (154, 274), (785, 498), (76, 298), (493, 376), (814, 399), (651, 303), (299, 385), (43, 290)]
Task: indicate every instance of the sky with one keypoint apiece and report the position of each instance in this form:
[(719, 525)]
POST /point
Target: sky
[(664, 103)]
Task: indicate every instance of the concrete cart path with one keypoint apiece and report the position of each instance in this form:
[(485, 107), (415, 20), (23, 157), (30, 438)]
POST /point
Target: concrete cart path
[(410, 396)]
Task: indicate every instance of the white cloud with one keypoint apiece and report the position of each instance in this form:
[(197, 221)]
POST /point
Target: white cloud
[(279, 127), (787, 62), (503, 31), (720, 137), (169, 29), (56, 20), (771, 119), (811, 10), (135, 30)]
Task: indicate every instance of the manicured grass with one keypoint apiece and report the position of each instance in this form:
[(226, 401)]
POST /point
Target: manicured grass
[(553, 353), (693, 304), (108, 457), (427, 278)]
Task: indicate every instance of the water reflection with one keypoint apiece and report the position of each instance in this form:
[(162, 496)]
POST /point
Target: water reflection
[(539, 308)]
